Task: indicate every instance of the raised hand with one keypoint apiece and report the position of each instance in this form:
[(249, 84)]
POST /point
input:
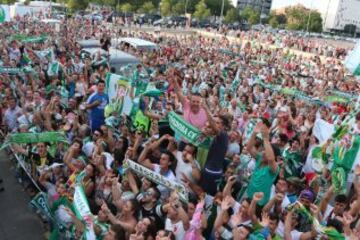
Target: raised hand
[(226, 203), (279, 197), (258, 196), (265, 219)]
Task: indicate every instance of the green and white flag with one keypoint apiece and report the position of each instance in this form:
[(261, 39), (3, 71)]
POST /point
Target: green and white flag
[(40, 202), (157, 178), (29, 39), (188, 131), (236, 82), (46, 54), (21, 138), (53, 68), (352, 60), (4, 13), (250, 126)]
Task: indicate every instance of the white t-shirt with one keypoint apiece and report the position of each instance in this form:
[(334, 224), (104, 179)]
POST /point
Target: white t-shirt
[(295, 234), (183, 168), (177, 229), (165, 192), (285, 201)]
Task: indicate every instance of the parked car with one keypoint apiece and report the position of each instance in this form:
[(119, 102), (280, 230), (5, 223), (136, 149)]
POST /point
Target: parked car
[(147, 18), (173, 21)]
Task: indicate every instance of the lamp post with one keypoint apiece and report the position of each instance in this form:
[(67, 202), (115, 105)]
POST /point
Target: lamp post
[(222, 11), (308, 23)]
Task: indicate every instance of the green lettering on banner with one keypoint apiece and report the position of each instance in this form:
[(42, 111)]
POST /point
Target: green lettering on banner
[(188, 131), (158, 178), (40, 202)]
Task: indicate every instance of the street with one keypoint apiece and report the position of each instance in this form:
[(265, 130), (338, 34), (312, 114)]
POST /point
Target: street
[(18, 222)]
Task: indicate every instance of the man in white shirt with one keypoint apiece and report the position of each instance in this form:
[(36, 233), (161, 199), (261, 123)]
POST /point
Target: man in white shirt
[(12, 113), (187, 165)]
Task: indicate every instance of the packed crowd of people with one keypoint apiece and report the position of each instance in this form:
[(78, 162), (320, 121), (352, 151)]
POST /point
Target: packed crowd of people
[(263, 111)]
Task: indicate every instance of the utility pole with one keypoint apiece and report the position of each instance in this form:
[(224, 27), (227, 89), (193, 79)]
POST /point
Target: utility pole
[(308, 23), (222, 11), (186, 5)]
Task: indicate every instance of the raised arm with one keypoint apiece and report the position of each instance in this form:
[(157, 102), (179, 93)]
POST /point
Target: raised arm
[(229, 185), (250, 146), (178, 91), (210, 118), (269, 153), (252, 209), (225, 205), (355, 207), (326, 199), (18, 149), (143, 160)]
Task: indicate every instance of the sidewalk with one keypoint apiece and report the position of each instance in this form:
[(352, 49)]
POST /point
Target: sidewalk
[(17, 222)]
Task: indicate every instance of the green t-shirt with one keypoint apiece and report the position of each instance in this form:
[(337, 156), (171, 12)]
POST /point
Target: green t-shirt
[(261, 181)]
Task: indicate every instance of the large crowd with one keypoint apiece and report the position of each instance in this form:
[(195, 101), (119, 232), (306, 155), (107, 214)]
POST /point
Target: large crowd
[(261, 110)]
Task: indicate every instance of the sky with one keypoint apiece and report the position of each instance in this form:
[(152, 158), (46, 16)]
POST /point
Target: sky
[(306, 3)]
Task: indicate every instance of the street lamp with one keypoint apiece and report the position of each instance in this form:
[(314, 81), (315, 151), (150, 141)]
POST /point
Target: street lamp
[(222, 11)]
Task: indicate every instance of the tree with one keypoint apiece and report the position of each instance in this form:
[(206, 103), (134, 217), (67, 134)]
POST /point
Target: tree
[(77, 4), (215, 6), (315, 24), (201, 11), (276, 19), (250, 15), (126, 8), (165, 7), (179, 7), (147, 7), (9, 2), (232, 15), (274, 23), (301, 18)]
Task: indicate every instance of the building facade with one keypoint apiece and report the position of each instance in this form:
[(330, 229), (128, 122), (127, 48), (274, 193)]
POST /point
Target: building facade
[(337, 14), (263, 6)]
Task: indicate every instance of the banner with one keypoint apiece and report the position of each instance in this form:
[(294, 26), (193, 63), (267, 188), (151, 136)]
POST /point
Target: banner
[(188, 131), (4, 13), (36, 137), (157, 178), (29, 39), (10, 70), (53, 68), (117, 86), (40, 202), (80, 203), (352, 60)]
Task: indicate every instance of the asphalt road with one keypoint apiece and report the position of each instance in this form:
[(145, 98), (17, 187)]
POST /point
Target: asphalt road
[(17, 221)]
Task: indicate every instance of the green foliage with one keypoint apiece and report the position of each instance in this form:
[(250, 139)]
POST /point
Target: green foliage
[(202, 11), (126, 8), (250, 15), (75, 5), (274, 22), (215, 6), (300, 18), (276, 19), (232, 15), (7, 1), (315, 22), (147, 7), (179, 7), (165, 7)]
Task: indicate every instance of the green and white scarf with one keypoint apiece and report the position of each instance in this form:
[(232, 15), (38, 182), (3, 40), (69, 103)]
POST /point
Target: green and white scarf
[(188, 131), (157, 178)]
